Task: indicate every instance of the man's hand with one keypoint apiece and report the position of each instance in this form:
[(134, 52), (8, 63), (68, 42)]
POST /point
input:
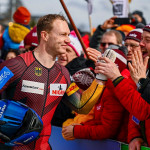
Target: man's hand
[(136, 144), (67, 131), (108, 24), (108, 68), (138, 67), (93, 54)]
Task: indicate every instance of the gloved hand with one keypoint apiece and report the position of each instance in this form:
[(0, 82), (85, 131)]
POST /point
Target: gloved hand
[(111, 54)]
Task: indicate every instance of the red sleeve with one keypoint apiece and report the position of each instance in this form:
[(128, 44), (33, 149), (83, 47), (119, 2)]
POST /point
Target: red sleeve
[(131, 99), (134, 129), (107, 125), (15, 66)]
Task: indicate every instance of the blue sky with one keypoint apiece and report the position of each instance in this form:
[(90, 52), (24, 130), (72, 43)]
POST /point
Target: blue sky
[(102, 10)]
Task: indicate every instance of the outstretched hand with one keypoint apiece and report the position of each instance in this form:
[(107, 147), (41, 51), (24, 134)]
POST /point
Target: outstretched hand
[(138, 67)]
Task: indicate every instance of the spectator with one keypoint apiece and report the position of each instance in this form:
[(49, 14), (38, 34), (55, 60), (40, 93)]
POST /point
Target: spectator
[(138, 16), (11, 54), (111, 37), (30, 41), (136, 102), (109, 120), (17, 30), (100, 30)]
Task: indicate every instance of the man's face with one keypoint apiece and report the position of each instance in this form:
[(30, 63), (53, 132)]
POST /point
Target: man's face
[(58, 38), (132, 46), (64, 59), (146, 41), (106, 41)]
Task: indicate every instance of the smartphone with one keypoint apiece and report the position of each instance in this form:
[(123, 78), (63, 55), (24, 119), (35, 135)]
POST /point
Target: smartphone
[(121, 21)]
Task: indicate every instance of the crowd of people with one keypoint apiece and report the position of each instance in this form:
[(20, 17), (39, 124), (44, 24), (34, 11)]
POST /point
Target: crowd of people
[(95, 98)]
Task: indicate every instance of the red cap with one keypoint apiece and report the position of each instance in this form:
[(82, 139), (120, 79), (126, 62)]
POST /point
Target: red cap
[(31, 38), (135, 35)]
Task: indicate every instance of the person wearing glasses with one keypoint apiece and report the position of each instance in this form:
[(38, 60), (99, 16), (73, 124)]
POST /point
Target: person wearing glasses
[(109, 38), (133, 93), (132, 42), (100, 30), (136, 138)]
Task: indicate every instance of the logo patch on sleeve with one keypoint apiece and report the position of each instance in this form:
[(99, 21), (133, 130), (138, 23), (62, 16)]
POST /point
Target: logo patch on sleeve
[(135, 120), (57, 89), (5, 75), (32, 87)]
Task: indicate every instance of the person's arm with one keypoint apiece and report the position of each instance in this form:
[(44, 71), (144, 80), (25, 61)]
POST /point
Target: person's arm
[(138, 73), (106, 126), (134, 129), (101, 29), (127, 94), (96, 37)]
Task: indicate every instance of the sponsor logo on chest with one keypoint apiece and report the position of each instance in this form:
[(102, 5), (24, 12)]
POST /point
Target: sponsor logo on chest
[(32, 87), (57, 89)]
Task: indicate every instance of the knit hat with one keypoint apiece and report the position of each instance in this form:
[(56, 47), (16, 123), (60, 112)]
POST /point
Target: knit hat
[(121, 60), (75, 44), (147, 28), (22, 16), (125, 27), (135, 35), (31, 38)]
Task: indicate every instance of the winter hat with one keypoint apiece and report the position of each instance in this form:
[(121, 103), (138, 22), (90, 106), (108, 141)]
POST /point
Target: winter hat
[(75, 44), (31, 38), (22, 16), (147, 28), (135, 35), (125, 27), (139, 13), (121, 60)]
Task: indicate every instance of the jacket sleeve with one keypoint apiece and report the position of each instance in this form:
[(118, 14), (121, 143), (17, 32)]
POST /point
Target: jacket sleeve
[(105, 126), (145, 91), (134, 129), (131, 99), (95, 39)]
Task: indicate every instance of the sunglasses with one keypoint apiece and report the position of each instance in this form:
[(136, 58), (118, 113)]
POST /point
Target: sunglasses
[(104, 44)]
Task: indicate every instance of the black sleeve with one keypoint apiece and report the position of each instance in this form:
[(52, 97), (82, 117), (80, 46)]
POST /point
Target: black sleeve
[(62, 113), (95, 39), (145, 90)]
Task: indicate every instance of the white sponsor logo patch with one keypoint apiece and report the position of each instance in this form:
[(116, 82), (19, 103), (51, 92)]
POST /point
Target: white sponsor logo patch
[(32, 87), (57, 89)]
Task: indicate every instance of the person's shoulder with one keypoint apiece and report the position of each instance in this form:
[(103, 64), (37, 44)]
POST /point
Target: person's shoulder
[(27, 57)]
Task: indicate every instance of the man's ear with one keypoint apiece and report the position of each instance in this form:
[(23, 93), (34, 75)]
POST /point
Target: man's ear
[(44, 35)]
